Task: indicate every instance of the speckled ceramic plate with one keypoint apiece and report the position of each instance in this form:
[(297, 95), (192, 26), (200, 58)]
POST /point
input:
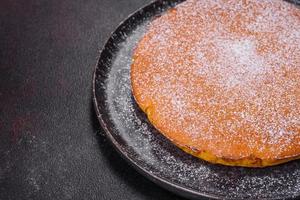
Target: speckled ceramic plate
[(153, 155)]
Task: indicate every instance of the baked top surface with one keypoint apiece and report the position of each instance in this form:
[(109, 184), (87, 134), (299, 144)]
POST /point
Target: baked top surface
[(223, 77)]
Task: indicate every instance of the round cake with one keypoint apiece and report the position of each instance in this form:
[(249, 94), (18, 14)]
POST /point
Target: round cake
[(221, 80)]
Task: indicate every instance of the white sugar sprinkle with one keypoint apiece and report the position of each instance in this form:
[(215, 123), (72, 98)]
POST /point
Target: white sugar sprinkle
[(243, 51), (162, 159)]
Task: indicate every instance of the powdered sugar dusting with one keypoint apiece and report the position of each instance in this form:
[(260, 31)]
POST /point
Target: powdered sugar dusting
[(163, 159), (149, 149), (245, 63), (220, 68)]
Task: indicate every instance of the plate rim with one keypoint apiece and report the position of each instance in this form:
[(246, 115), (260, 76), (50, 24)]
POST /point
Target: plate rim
[(162, 182)]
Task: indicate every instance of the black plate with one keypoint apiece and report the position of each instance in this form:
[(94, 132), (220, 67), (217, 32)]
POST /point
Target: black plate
[(153, 155)]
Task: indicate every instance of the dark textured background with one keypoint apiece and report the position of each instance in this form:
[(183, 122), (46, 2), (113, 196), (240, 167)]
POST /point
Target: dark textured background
[(51, 146)]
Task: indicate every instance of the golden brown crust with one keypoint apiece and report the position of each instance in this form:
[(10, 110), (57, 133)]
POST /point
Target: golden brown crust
[(217, 89)]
